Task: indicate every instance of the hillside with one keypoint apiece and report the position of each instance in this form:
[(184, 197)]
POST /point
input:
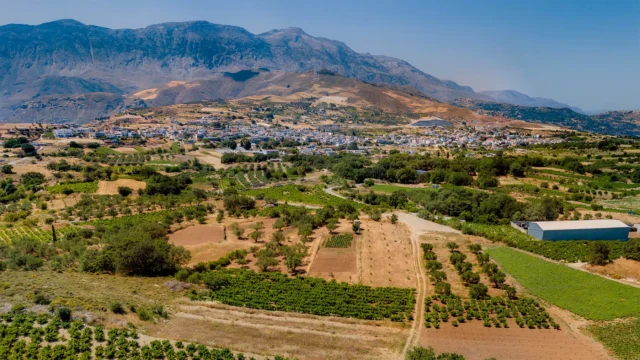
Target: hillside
[(517, 98), (618, 123)]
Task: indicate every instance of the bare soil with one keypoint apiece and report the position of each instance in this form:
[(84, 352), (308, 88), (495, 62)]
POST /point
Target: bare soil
[(276, 333), (111, 187), (331, 263), (475, 342), (620, 269)]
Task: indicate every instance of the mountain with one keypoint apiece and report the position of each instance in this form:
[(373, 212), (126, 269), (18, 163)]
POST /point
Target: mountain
[(66, 57), (617, 123), (517, 98)]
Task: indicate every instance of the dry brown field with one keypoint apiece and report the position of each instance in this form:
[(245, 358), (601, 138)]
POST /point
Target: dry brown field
[(111, 187)]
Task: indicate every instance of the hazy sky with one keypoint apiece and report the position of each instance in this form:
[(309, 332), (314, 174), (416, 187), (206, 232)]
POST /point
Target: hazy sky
[(584, 53)]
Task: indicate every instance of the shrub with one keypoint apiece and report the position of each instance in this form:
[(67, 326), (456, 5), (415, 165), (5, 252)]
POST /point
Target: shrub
[(632, 249), (125, 190), (64, 314), (116, 308), (599, 253)]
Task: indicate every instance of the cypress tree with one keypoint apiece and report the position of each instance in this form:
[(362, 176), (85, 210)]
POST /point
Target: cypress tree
[(53, 231)]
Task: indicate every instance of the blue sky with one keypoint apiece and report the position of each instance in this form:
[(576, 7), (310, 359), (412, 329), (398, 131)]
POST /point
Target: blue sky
[(584, 53)]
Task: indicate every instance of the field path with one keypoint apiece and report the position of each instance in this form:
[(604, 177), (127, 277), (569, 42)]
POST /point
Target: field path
[(418, 228)]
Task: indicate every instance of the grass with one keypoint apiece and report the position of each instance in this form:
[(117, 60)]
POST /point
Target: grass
[(622, 337), (587, 295), (75, 289)]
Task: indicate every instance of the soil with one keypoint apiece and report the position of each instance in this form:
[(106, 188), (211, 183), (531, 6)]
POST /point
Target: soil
[(331, 263), (620, 269), (386, 255), (476, 342), (293, 335), (111, 187)]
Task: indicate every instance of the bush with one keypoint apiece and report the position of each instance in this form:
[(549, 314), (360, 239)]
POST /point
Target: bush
[(64, 314), (599, 253), (116, 308), (125, 190), (632, 249)]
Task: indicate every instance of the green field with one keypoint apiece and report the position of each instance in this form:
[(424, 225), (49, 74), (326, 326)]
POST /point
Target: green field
[(587, 295), (304, 195), (76, 187), (621, 337), (390, 188)]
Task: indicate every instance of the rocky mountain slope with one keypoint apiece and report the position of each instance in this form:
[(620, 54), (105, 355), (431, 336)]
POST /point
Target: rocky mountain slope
[(517, 98)]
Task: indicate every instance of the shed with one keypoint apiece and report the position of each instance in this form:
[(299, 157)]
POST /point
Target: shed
[(579, 230)]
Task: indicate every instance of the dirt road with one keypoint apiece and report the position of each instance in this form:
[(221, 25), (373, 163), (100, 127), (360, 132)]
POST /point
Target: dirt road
[(419, 227)]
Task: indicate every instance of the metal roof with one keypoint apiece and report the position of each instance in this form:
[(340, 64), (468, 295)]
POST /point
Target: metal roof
[(581, 224)]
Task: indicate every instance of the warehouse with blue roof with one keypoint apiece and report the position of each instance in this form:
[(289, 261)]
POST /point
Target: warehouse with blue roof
[(579, 230)]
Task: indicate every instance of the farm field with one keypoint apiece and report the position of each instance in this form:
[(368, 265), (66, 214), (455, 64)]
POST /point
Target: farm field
[(340, 264), (9, 234), (476, 342), (294, 335), (587, 295), (620, 269), (291, 193), (76, 187), (111, 187), (621, 337), (386, 255)]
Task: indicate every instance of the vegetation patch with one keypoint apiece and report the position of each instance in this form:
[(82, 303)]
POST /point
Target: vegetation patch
[(277, 292), (622, 337), (74, 187), (339, 241), (587, 295)]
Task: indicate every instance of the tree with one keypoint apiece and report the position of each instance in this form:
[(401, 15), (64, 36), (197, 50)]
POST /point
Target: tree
[(237, 230), (443, 288), (420, 353), (54, 237), (516, 169), (394, 219), (245, 143), (265, 260), (279, 224), (294, 255), (355, 227), (475, 248), (632, 249), (452, 246), (124, 190), (438, 276), (7, 169), (478, 291), (220, 216), (255, 235), (277, 237), (599, 253), (483, 259), (510, 291), (469, 277), (304, 231), (498, 278), (331, 225)]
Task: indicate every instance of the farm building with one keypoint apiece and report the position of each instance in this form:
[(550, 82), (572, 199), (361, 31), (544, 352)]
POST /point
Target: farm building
[(579, 230)]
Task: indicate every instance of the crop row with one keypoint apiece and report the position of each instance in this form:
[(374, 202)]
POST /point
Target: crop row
[(25, 336), (277, 292), (339, 241), (74, 187), (7, 235)]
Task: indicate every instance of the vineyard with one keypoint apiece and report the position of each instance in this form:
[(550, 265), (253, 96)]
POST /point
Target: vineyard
[(157, 216), (74, 187), (277, 292), (587, 295), (339, 241), (7, 235), (623, 337), (24, 336), (298, 194)]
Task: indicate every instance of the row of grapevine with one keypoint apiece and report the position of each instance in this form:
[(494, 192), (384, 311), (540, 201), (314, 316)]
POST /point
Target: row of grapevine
[(339, 241), (278, 292), (7, 235)]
